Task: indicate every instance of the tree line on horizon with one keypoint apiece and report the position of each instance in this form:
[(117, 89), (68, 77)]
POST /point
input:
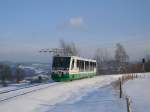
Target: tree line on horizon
[(105, 65), (6, 74)]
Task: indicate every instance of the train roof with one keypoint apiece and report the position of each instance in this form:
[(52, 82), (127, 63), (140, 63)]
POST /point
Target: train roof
[(79, 58)]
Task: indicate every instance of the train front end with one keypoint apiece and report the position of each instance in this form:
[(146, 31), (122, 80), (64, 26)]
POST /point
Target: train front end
[(60, 68)]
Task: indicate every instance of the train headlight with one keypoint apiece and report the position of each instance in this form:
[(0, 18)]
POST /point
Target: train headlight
[(62, 74)]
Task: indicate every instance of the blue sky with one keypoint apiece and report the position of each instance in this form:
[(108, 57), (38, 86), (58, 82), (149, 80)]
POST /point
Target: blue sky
[(27, 26)]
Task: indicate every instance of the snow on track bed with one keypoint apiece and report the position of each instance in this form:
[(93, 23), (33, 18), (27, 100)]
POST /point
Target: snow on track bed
[(53, 95), (6, 95), (15, 88)]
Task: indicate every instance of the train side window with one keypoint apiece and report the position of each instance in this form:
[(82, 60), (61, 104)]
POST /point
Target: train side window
[(78, 64), (86, 65), (82, 65), (95, 65), (72, 65), (91, 66)]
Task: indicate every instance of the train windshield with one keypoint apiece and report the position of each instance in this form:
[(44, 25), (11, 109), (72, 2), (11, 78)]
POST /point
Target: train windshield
[(61, 63)]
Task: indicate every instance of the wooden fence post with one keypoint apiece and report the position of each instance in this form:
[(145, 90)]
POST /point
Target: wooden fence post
[(128, 104), (120, 88)]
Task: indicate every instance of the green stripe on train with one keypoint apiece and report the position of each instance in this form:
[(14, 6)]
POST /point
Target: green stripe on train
[(67, 77)]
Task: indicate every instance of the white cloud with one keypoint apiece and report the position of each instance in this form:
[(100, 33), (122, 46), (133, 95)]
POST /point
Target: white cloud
[(76, 21)]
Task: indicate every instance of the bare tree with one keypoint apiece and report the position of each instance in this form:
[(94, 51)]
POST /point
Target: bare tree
[(19, 74), (147, 57), (69, 48), (147, 63), (5, 74), (121, 58), (102, 57)]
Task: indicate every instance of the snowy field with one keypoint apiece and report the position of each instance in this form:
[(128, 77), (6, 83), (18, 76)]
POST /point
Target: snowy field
[(139, 91), (92, 94), (103, 99)]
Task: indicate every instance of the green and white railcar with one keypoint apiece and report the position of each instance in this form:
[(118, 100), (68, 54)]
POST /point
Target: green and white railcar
[(67, 68)]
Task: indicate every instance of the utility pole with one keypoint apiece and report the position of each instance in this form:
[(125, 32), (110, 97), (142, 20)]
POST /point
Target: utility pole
[(120, 81), (143, 64)]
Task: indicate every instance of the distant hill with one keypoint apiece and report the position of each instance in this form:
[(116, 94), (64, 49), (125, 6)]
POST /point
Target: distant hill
[(30, 68)]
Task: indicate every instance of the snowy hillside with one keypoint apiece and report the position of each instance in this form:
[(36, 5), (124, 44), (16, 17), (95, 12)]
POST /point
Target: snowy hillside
[(35, 68), (30, 69)]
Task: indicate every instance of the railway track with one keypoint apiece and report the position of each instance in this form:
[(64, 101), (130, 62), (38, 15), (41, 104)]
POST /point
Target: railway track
[(7, 95), (19, 88)]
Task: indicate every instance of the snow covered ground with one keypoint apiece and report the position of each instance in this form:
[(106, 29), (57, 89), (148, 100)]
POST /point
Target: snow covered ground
[(139, 91), (103, 99), (15, 86), (92, 94), (19, 92)]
